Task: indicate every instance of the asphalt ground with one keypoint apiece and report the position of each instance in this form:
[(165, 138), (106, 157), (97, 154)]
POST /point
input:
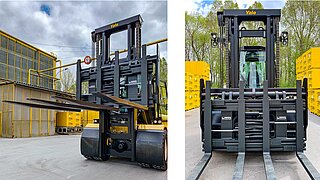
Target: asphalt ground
[(58, 157), (222, 164)]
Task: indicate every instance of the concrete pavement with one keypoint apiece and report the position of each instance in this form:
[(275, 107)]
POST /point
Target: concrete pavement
[(221, 165), (58, 157)]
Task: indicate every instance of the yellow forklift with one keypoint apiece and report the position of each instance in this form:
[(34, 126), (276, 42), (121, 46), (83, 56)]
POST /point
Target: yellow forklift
[(126, 92)]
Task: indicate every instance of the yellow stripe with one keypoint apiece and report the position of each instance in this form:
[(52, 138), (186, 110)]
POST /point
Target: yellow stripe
[(151, 127), (90, 125), (30, 116), (12, 116), (48, 120), (40, 117)]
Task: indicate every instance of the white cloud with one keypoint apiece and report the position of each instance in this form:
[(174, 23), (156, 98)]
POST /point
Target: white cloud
[(267, 4), (203, 6), (192, 5), (199, 6), (244, 4), (71, 23)]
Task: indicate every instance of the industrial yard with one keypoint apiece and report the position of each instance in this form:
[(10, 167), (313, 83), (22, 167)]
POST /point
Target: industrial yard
[(58, 157), (221, 165)]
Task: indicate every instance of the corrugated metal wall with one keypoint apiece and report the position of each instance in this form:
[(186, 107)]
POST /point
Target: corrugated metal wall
[(21, 121), (6, 93)]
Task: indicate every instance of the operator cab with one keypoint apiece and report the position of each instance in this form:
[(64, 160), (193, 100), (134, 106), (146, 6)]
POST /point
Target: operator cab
[(253, 66)]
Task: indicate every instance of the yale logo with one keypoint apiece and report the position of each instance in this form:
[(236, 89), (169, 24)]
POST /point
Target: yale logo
[(114, 25), (249, 12)]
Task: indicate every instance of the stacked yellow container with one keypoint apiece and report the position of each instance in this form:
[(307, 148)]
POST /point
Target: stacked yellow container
[(194, 71), (68, 122), (88, 117), (308, 66)]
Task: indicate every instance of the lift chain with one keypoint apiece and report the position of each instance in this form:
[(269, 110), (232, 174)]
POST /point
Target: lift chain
[(138, 40), (226, 56), (98, 48), (277, 53), (221, 45)]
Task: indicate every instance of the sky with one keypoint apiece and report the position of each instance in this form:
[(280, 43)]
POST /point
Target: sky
[(204, 6), (64, 28)]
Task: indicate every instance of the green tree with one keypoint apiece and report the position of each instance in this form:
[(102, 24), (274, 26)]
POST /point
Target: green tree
[(68, 82), (163, 69), (197, 38), (301, 20)]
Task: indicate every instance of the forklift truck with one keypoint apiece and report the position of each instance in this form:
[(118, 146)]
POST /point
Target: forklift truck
[(252, 113), (126, 92)]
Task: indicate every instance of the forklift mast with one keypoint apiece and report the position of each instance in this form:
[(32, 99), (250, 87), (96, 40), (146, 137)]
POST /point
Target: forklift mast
[(134, 78), (101, 36), (229, 22)]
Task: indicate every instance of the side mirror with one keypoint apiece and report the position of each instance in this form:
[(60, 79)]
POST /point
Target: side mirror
[(284, 38), (214, 39)]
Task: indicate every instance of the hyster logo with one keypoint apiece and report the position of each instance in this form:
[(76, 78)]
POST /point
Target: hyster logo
[(114, 25), (248, 12)]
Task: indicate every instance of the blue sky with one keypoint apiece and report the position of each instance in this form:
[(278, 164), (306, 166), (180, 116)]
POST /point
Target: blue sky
[(45, 9), (204, 6)]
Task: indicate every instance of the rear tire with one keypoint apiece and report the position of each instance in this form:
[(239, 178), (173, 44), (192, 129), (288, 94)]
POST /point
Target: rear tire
[(152, 149)]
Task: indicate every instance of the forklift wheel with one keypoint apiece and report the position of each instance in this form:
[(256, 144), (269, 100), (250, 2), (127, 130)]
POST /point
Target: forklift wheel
[(152, 149)]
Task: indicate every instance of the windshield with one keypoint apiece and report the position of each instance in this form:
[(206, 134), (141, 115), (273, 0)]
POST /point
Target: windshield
[(252, 67)]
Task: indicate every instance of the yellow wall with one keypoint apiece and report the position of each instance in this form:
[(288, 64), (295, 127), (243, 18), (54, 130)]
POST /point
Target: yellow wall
[(194, 71), (308, 66), (21, 121)]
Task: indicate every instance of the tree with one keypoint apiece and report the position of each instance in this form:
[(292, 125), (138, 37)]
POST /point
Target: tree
[(68, 82), (163, 69), (58, 85), (85, 87), (301, 20), (197, 42)]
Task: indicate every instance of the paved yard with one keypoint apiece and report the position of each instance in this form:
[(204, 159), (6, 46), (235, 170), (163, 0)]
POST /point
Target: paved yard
[(222, 164), (58, 157)]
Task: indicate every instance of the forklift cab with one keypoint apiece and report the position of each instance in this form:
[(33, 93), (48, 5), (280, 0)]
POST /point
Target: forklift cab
[(252, 66)]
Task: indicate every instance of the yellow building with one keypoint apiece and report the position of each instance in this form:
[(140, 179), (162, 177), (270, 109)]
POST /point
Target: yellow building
[(20, 121), (18, 57), (308, 66)]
